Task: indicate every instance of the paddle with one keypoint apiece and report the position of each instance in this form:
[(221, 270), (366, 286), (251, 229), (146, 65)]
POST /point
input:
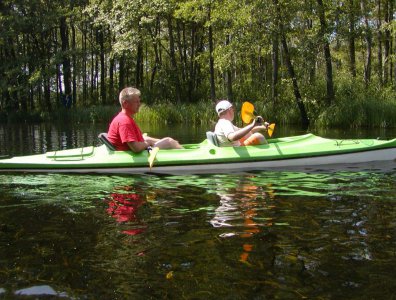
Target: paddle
[(153, 154), (247, 113)]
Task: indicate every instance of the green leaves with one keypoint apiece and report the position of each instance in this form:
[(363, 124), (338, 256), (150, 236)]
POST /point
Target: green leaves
[(189, 50)]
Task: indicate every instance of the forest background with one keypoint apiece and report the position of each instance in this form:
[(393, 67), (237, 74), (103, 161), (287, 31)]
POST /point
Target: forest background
[(308, 62)]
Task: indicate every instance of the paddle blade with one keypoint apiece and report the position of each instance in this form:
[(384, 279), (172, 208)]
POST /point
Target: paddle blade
[(153, 155), (271, 129), (247, 112)]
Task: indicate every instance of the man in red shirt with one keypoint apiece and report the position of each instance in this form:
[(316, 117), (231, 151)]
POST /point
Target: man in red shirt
[(124, 133)]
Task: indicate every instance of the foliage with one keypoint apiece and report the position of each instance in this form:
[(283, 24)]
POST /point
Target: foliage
[(358, 106), (183, 52), (168, 113), (160, 113)]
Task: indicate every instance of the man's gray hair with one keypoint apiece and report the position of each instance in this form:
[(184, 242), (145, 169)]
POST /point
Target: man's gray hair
[(127, 93)]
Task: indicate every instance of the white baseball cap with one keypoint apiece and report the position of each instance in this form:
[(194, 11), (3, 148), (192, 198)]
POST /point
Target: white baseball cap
[(223, 105)]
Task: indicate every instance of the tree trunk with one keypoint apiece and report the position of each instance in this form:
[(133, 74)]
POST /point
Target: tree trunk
[(312, 48), (228, 74), (154, 70), (59, 88), (31, 107), (121, 73), (139, 66), (211, 62), (74, 60), (174, 68), (368, 38), (92, 87), (156, 52), (191, 76), (392, 45), (22, 94), (181, 45), (47, 91), (351, 39), (379, 41), (65, 56), (103, 92), (297, 94), (387, 45), (185, 55), (58, 75), (275, 67), (326, 50), (290, 68), (84, 67), (111, 81)]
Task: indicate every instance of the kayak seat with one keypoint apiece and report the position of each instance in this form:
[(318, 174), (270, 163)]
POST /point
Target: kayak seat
[(103, 138), (212, 138)]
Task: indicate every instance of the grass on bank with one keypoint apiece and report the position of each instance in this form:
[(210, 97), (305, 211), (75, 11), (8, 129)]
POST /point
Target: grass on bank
[(368, 109), (162, 113), (355, 106)]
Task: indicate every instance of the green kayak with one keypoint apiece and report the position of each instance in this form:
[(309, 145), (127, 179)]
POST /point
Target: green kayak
[(288, 152)]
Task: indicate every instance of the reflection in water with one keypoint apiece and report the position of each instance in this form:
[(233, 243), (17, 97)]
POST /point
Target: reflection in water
[(298, 235), (123, 207), (241, 203), (23, 139)]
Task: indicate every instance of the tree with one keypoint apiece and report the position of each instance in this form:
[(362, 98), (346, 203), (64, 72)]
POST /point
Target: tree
[(368, 38), (351, 37), (190, 50), (290, 68), (326, 50)]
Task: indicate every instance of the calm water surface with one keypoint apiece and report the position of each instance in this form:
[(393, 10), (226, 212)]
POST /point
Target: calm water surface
[(261, 235)]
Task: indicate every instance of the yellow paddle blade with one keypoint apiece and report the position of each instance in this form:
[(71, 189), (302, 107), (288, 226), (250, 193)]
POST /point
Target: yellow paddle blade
[(247, 112), (271, 129), (153, 154)]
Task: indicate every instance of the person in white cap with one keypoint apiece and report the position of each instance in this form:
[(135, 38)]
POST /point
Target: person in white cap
[(230, 135)]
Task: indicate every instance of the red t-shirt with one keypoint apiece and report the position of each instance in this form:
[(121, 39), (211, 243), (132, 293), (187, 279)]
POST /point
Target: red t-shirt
[(123, 129)]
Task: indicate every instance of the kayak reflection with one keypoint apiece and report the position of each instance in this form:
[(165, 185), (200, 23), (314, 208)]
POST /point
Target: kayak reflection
[(123, 207)]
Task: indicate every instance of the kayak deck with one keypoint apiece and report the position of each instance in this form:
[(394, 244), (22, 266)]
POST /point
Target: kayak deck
[(303, 150)]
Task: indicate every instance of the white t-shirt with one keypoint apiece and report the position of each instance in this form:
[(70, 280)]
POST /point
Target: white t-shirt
[(222, 130)]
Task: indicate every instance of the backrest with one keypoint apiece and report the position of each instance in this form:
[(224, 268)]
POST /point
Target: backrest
[(212, 138), (103, 138)]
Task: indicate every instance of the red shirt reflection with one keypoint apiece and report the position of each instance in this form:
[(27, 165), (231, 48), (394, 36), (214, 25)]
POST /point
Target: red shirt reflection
[(123, 208)]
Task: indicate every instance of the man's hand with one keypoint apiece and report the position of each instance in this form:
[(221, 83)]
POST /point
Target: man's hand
[(266, 124), (258, 121)]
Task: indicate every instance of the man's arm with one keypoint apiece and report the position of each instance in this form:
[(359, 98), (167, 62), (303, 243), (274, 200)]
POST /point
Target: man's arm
[(138, 146), (253, 127), (240, 133), (150, 140)]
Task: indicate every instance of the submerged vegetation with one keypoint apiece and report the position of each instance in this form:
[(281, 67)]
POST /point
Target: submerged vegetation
[(299, 62)]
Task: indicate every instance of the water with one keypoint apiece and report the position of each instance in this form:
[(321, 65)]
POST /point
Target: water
[(23, 139), (259, 235)]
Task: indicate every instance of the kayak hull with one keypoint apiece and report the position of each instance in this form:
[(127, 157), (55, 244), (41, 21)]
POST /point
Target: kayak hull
[(305, 151)]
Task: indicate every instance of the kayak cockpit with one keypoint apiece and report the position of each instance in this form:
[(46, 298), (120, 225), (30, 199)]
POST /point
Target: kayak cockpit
[(103, 138)]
